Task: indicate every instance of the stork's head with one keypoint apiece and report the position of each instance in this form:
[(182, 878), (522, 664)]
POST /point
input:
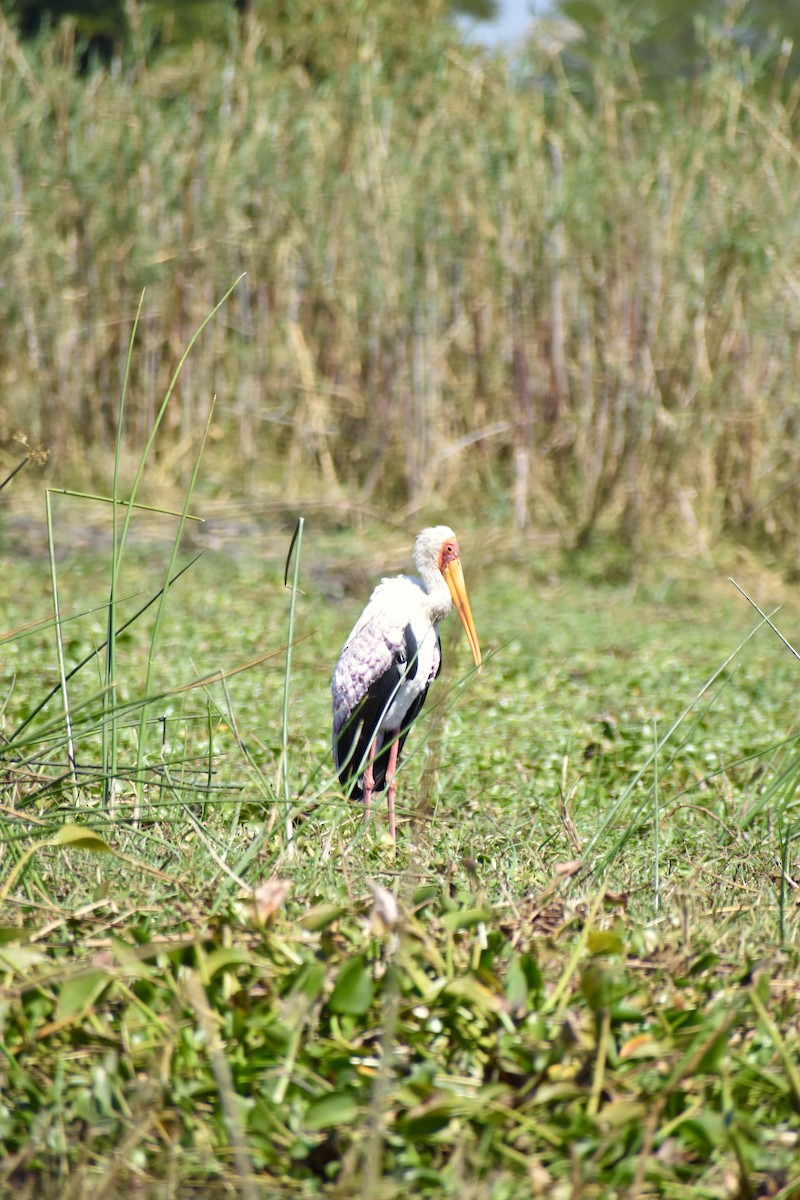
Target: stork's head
[(436, 549)]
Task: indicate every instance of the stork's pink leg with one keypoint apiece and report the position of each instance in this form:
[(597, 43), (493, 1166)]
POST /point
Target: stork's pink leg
[(369, 781), (391, 767)]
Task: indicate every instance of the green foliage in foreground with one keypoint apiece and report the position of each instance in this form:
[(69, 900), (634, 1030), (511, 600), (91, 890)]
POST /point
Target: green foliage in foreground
[(190, 1005), (511, 1054)]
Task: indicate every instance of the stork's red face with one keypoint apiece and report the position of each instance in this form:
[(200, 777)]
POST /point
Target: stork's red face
[(447, 554), (450, 566)]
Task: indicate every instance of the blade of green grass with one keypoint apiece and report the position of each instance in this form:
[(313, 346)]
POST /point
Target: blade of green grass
[(16, 471), (129, 503), (94, 653), (109, 742), (283, 770), (164, 592), (59, 640), (624, 799), (766, 619), (101, 499), (120, 538), (656, 816)]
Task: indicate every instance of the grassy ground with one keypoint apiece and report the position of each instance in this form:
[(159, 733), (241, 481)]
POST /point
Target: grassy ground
[(573, 975)]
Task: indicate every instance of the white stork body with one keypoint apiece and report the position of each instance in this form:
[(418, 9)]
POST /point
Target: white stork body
[(388, 663)]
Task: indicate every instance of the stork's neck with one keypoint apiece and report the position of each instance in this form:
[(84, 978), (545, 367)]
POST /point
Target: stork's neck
[(438, 601)]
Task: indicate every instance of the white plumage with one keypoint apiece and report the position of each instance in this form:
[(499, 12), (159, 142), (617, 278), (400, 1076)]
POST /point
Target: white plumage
[(390, 660)]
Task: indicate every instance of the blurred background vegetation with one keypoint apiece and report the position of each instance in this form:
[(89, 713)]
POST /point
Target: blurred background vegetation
[(555, 285)]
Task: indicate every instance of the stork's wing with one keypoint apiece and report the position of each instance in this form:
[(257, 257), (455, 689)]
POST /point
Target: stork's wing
[(365, 680), (351, 747), (416, 707)]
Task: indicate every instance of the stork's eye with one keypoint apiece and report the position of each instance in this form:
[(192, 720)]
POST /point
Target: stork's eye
[(447, 554)]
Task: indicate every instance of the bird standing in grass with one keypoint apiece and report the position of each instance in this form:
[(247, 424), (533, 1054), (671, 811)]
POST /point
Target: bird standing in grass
[(388, 663)]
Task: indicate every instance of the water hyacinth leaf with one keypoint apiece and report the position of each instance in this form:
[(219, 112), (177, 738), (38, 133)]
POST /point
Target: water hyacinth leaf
[(332, 1110), (352, 994), (79, 992)]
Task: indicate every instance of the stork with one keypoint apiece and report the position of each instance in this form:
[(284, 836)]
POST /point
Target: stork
[(389, 661)]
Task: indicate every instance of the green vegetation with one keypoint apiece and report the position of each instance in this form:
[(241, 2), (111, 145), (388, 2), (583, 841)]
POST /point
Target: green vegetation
[(334, 276), (573, 975)]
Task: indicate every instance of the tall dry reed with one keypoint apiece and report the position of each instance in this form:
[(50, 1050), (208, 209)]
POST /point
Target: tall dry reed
[(459, 273)]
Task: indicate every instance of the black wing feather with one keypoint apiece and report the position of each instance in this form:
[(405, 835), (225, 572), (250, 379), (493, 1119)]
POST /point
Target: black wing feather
[(416, 707), (355, 740)]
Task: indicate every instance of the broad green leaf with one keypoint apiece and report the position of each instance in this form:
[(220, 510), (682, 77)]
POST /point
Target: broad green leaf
[(618, 1113), (436, 1181), (762, 987), (604, 941), (129, 957), (80, 838), (643, 1045), (20, 958), (601, 985), (321, 915), (556, 1092), (706, 1130), (431, 1116), (79, 993), (523, 983), (353, 991), (331, 1110), (466, 918), (13, 933), (710, 1062), (704, 962), (224, 957), (469, 988), (622, 1010), (309, 981)]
